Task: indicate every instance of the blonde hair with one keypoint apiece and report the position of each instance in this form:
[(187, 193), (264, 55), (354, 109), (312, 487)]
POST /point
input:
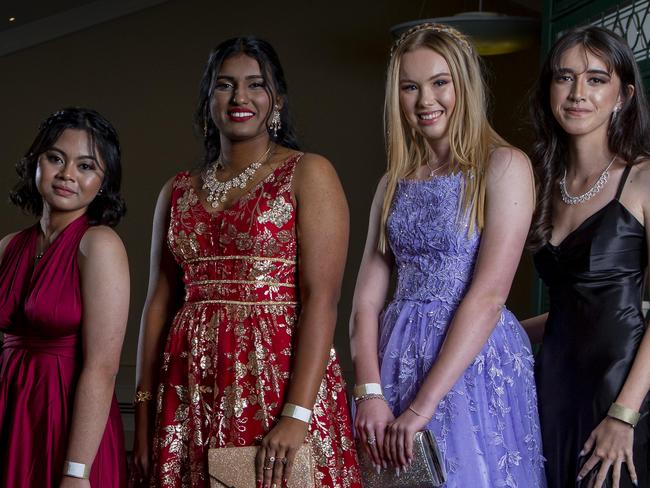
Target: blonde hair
[(471, 138)]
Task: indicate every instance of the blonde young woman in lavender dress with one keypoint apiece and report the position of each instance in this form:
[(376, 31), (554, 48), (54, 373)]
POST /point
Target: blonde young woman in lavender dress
[(451, 217)]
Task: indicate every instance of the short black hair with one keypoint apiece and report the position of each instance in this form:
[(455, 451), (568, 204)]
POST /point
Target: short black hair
[(108, 207)]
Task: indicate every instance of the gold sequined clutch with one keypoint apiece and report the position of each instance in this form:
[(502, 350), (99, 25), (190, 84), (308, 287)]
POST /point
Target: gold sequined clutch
[(234, 467), (426, 471)]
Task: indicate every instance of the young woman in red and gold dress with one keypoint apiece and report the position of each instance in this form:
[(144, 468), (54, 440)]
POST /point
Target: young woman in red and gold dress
[(246, 267)]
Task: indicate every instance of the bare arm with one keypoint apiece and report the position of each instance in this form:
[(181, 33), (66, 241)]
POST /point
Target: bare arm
[(373, 282), (369, 296), (104, 274), (323, 227), (322, 239), (534, 327), (161, 303), (509, 208)]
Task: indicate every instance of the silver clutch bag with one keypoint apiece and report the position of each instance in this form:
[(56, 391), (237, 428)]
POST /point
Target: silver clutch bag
[(426, 471)]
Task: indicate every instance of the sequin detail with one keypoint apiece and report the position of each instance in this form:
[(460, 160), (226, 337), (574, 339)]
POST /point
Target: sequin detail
[(227, 358)]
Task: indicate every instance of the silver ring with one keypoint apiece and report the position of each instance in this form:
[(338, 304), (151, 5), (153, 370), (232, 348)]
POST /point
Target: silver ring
[(371, 440)]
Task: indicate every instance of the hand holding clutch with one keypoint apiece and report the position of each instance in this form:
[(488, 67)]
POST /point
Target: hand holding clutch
[(426, 471)]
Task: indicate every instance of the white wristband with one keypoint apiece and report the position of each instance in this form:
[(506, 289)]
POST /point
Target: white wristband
[(76, 470), (297, 412), (367, 389)]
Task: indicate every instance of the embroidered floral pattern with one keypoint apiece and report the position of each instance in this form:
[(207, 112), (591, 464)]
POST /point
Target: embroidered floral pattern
[(228, 355), (487, 425)]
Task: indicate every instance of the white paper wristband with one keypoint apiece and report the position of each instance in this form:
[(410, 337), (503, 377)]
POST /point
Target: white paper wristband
[(76, 470), (367, 389), (297, 412)]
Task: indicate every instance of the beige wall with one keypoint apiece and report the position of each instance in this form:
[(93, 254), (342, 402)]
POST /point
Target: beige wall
[(142, 72)]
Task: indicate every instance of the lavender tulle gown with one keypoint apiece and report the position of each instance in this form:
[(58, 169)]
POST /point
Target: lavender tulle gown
[(487, 426)]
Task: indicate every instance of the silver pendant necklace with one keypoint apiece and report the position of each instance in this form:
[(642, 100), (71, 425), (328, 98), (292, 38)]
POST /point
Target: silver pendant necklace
[(600, 183), (433, 171), (218, 190)]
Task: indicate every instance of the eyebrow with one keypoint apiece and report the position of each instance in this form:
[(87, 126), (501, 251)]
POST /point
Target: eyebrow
[(249, 77), (431, 78), (83, 156), (593, 71)]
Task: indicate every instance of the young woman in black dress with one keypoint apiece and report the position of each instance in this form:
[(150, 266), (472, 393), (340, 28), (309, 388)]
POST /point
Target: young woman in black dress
[(592, 159)]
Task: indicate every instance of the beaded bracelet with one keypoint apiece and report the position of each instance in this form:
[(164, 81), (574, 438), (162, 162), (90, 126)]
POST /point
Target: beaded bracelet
[(369, 396)]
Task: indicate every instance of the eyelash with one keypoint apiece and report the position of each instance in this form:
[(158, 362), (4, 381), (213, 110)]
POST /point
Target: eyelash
[(568, 78), (229, 86)]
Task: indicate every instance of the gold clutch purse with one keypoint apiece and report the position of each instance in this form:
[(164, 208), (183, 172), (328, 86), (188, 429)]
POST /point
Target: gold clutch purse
[(234, 467), (426, 471)]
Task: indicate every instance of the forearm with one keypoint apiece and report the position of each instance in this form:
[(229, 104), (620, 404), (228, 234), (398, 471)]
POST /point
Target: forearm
[(92, 403), (637, 383), (470, 329), (153, 333), (534, 327), (315, 334), (364, 339)]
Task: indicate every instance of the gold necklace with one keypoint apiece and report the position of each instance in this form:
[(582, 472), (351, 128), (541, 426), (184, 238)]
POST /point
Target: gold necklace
[(218, 190)]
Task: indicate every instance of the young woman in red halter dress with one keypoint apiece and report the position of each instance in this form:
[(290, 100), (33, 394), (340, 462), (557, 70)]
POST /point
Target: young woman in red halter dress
[(238, 326), (64, 294)]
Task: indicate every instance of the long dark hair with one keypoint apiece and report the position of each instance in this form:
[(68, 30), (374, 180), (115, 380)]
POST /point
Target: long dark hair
[(108, 206), (629, 135), (276, 86)]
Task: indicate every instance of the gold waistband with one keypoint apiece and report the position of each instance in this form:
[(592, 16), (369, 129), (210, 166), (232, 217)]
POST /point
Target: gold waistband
[(248, 304), (240, 282), (240, 258)]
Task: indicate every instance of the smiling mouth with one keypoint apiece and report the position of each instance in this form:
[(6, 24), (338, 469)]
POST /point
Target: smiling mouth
[(429, 116), (240, 115)]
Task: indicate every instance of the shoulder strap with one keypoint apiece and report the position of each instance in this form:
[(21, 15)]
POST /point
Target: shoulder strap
[(621, 183)]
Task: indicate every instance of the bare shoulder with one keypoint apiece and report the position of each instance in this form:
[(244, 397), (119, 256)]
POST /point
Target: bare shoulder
[(312, 164), (640, 173), (380, 192), (166, 190), (508, 160), (101, 242), (4, 242), (637, 184), (314, 170)]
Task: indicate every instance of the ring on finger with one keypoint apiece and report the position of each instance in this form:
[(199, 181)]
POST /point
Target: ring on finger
[(371, 440)]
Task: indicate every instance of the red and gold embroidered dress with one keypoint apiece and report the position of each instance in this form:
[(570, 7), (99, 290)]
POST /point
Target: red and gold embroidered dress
[(228, 356)]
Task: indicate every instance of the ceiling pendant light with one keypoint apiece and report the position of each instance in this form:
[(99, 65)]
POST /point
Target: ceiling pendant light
[(492, 33)]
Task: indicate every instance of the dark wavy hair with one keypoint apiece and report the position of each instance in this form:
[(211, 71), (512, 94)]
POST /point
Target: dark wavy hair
[(108, 206), (276, 86), (628, 137)]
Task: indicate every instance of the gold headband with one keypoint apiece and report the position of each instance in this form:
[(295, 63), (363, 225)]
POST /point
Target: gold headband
[(459, 38)]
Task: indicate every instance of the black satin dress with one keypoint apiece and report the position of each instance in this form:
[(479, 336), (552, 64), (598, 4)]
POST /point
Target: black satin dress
[(595, 324)]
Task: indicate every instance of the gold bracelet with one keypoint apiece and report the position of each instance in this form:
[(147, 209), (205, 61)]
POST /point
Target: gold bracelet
[(418, 413), (142, 396), (624, 414)]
